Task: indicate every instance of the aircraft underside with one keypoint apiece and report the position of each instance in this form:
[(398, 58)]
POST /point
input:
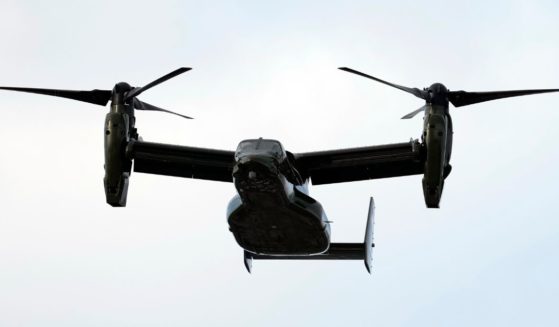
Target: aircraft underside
[(274, 218), (271, 216)]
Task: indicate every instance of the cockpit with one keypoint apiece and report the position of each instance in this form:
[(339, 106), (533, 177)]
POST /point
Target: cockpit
[(260, 147)]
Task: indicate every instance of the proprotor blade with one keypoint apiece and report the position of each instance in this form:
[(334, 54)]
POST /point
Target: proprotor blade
[(463, 98), (415, 91), (137, 91), (413, 113), (140, 105), (99, 97)]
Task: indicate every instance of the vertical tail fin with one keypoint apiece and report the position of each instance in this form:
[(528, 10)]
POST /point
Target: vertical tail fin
[(369, 229)]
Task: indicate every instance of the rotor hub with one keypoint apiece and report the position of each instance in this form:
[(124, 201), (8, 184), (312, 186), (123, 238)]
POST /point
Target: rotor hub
[(437, 94), (119, 92)]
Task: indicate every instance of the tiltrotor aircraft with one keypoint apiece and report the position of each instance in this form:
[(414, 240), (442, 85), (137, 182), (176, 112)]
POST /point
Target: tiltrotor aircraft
[(272, 216)]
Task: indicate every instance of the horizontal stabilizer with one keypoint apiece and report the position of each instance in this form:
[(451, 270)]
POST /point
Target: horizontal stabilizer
[(337, 251)]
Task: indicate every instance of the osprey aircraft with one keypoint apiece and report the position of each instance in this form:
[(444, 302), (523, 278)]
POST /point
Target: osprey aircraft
[(272, 217)]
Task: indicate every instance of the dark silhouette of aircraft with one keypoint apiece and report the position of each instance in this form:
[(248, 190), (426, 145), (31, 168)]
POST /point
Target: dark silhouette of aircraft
[(272, 216)]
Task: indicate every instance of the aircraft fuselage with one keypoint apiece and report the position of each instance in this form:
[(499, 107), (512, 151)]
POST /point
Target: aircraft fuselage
[(272, 213)]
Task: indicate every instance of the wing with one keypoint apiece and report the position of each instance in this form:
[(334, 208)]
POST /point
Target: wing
[(347, 165), (181, 161)]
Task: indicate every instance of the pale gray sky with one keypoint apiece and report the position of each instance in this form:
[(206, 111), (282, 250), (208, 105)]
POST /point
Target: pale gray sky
[(487, 257)]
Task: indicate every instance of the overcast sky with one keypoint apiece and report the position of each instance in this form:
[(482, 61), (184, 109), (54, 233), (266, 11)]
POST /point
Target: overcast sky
[(487, 257)]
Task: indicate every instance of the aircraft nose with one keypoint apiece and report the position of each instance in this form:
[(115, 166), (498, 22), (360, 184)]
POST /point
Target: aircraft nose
[(255, 173)]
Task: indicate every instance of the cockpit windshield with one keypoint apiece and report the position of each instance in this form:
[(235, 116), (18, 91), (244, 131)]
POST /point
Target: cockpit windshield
[(262, 147)]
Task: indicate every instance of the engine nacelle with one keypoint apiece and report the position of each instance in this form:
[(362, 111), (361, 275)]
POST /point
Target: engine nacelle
[(118, 126), (435, 138)]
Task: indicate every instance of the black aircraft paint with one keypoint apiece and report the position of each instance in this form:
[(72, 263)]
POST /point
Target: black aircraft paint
[(273, 217), (272, 213), (437, 127)]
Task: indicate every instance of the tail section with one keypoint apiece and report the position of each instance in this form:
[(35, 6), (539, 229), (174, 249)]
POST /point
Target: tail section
[(337, 251)]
